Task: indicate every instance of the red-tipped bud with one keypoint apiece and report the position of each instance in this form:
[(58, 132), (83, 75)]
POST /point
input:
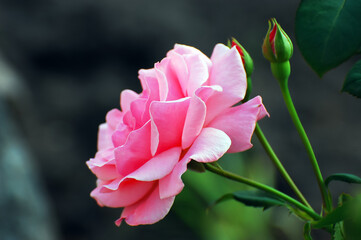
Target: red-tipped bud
[(277, 46), (246, 58)]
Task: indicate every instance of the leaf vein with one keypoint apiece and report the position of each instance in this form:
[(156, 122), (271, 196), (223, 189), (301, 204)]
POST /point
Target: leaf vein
[(331, 30)]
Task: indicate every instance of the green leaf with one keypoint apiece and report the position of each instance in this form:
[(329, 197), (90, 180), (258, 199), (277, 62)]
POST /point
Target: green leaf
[(257, 199), (352, 221), (344, 177), (328, 32), (352, 84), (338, 232), (251, 198), (337, 215), (345, 219), (307, 231)]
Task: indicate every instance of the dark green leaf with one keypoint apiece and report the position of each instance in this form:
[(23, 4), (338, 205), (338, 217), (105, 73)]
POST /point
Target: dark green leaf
[(352, 222), (337, 215), (344, 177), (251, 198), (257, 199), (358, 51), (328, 32), (338, 232), (307, 231), (352, 84)]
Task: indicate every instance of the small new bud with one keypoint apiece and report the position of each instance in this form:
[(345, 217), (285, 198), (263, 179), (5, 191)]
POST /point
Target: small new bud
[(246, 58), (247, 64), (277, 46)]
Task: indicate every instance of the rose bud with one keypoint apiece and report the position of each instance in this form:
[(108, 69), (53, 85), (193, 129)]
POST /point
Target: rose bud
[(247, 64), (277, 46), (246, 58)]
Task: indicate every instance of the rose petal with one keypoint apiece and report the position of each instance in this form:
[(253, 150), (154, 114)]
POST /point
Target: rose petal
[(126, 98), (180, 69), (145, 74), (209, 146), (198, 72), (148, 211), (205, 92), (184, 50), (172, 184), (120, 136), (106, 172), (162, 82), (153, 169), (228, 72), (174, 89), (137, 108), (219, 51), (114, 117), (239, 123), (157, 167), (129, 120), (196, 115), (153, 95), (135, 152), (104, 137), (103, 165), (167, 123), (128, 192)]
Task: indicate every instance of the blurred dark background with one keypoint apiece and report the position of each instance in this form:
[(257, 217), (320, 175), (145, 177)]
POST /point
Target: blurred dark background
[(62, 67)]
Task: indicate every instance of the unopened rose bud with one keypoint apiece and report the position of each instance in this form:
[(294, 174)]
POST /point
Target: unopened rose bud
[(246, 58), (247, 64), (277, 46)]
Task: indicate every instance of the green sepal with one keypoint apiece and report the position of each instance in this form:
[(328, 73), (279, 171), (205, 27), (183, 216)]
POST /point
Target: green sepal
[(283, 44), (266, 47)]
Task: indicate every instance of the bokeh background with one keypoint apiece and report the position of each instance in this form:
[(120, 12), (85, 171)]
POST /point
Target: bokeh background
[(62, 67)]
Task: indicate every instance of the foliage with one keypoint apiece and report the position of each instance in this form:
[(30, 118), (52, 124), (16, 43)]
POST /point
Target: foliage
[(328, 33), (344, 177), (221, 222)]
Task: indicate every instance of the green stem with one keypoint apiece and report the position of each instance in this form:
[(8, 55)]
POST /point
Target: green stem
[(272, 155), (301, 131), (263, 187)]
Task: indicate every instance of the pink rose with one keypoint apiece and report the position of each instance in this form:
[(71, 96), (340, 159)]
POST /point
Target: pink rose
[(184, 112)]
